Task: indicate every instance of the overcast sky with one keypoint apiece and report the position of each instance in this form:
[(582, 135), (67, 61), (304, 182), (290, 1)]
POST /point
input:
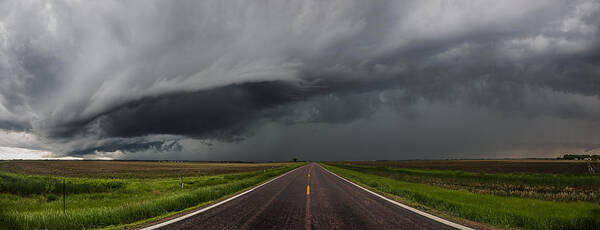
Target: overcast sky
[(311, 79)]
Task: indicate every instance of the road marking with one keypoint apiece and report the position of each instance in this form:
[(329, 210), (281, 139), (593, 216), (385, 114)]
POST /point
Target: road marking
[(308, 216), (160, 225), (435, 218)]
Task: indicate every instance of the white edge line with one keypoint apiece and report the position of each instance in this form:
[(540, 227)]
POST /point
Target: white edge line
[(160, 225), (438, 219)]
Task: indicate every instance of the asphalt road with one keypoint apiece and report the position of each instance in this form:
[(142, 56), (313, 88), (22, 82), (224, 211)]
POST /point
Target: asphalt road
[(308, 198)]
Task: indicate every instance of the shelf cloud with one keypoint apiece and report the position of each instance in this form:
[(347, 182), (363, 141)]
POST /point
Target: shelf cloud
[(210, 80)]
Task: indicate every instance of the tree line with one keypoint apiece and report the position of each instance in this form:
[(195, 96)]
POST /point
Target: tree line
[(580, 157)]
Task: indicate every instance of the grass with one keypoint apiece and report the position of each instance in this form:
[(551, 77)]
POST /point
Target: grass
[(509, 212), (104, 205), (557, 187), (29, 185)]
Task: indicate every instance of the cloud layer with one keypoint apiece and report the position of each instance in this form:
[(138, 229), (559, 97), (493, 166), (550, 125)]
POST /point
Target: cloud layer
[(105, 76)]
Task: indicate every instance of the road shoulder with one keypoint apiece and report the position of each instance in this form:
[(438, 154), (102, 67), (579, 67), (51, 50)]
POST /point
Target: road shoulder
[(457, 222)]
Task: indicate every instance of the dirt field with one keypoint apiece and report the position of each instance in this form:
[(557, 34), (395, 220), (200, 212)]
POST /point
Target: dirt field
[(495, 166), (128, 169)]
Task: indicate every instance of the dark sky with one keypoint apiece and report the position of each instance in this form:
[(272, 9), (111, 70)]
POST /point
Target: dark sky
[(312, 79)]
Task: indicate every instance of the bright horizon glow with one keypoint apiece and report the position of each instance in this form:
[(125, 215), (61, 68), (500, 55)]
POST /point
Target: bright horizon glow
[(13, 153)]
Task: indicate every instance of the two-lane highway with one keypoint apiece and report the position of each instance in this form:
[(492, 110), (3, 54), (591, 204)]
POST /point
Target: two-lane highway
[(308, 198)]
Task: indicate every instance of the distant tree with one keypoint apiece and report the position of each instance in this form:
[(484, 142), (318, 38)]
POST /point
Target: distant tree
[(580, 157), (295, 160)]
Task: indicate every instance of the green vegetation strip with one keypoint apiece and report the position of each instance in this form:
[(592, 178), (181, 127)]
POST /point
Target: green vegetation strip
[(557, 187), (496, 210), (107, 202)]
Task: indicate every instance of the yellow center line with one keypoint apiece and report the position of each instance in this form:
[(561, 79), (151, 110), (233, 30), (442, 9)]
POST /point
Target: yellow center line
[(308, 185)]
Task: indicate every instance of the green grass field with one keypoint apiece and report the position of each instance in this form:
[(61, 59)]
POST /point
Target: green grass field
[(502, 211), (556, 187), (35, 202)]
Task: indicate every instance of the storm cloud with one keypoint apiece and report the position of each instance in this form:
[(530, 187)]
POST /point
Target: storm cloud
[(92, 77)]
